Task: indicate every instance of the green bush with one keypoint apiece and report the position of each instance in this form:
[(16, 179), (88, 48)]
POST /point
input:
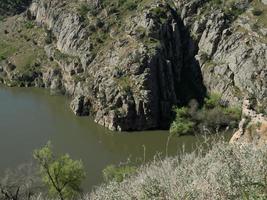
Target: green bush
[(118, 174), (214, 116), (182, 124), (2, 57), (212, 101), (29, 24)]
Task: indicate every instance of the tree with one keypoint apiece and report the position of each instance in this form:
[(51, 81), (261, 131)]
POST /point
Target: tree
[(61, 174)]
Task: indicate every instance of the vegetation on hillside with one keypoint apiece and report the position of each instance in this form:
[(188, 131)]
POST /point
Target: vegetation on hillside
[(224, 172), (215, 170), (213, 117)]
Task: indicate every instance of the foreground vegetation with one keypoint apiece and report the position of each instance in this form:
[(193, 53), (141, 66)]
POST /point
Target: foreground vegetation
[(213, 171), (225, 172)]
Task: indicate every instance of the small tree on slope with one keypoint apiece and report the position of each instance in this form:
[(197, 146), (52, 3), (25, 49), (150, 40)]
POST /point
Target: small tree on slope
[(61, 174)]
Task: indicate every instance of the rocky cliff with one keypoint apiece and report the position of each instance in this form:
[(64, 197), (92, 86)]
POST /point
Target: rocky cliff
[(253, 126), (232, 46), (128, 63)]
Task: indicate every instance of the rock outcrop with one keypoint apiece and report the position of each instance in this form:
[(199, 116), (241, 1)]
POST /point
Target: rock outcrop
[(252, 128), (232, 52), (127, 65), (134, 79)]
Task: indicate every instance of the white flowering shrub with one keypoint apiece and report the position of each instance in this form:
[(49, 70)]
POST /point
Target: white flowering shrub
[(225, 172)]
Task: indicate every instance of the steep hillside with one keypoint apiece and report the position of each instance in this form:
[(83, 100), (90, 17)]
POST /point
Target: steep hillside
[(127, 63)]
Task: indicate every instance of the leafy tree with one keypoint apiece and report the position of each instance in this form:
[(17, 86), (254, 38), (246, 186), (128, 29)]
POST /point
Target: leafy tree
[(61, 174)]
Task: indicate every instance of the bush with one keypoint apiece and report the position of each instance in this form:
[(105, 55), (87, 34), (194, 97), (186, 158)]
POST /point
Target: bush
[(29, 24), (212, 101), (223, 172), (118, 174), (182, 124), (213, 117)]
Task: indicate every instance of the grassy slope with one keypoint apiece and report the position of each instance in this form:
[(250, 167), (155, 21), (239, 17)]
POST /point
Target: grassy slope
[(225, 172)]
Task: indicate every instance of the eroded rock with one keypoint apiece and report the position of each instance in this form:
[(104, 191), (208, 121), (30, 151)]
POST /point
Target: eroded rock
[(80, 106), (252, 128)]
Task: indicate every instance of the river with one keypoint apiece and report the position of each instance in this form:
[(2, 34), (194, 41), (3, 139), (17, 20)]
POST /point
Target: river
[(29, 117)]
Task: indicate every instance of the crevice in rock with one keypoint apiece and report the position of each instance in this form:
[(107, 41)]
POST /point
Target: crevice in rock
[(179, 75)]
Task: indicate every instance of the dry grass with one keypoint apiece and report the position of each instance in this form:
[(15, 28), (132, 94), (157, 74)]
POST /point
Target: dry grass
[(225, 172)]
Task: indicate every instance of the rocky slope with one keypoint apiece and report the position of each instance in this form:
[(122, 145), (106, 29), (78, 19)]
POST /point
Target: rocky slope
[(253, 126), (232, 46), (128, 63)]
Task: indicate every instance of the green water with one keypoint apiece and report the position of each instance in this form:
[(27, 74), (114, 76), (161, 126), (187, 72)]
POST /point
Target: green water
[(31, 117)]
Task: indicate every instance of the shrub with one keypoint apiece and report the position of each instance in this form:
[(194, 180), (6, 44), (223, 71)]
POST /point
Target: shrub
[(2, 57), (118, 174), (49, 37), (182, 124), (212, 101), (29, 24), (223, 172), (213, 117)]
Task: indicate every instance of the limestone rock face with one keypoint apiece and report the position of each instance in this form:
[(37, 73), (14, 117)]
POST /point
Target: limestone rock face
[(232, 54), (252, 128), (135, 77), (80, 106), (128, 67)]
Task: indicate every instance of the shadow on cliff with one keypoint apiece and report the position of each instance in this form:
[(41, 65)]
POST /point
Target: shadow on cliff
[(191, 85), (188, 83), (13, 7)]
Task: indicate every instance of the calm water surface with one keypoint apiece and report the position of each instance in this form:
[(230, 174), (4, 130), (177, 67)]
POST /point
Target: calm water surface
[(31, 117)]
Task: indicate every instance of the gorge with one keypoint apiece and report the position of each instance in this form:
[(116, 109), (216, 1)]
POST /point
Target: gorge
[(127, 67), (145, 78)]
